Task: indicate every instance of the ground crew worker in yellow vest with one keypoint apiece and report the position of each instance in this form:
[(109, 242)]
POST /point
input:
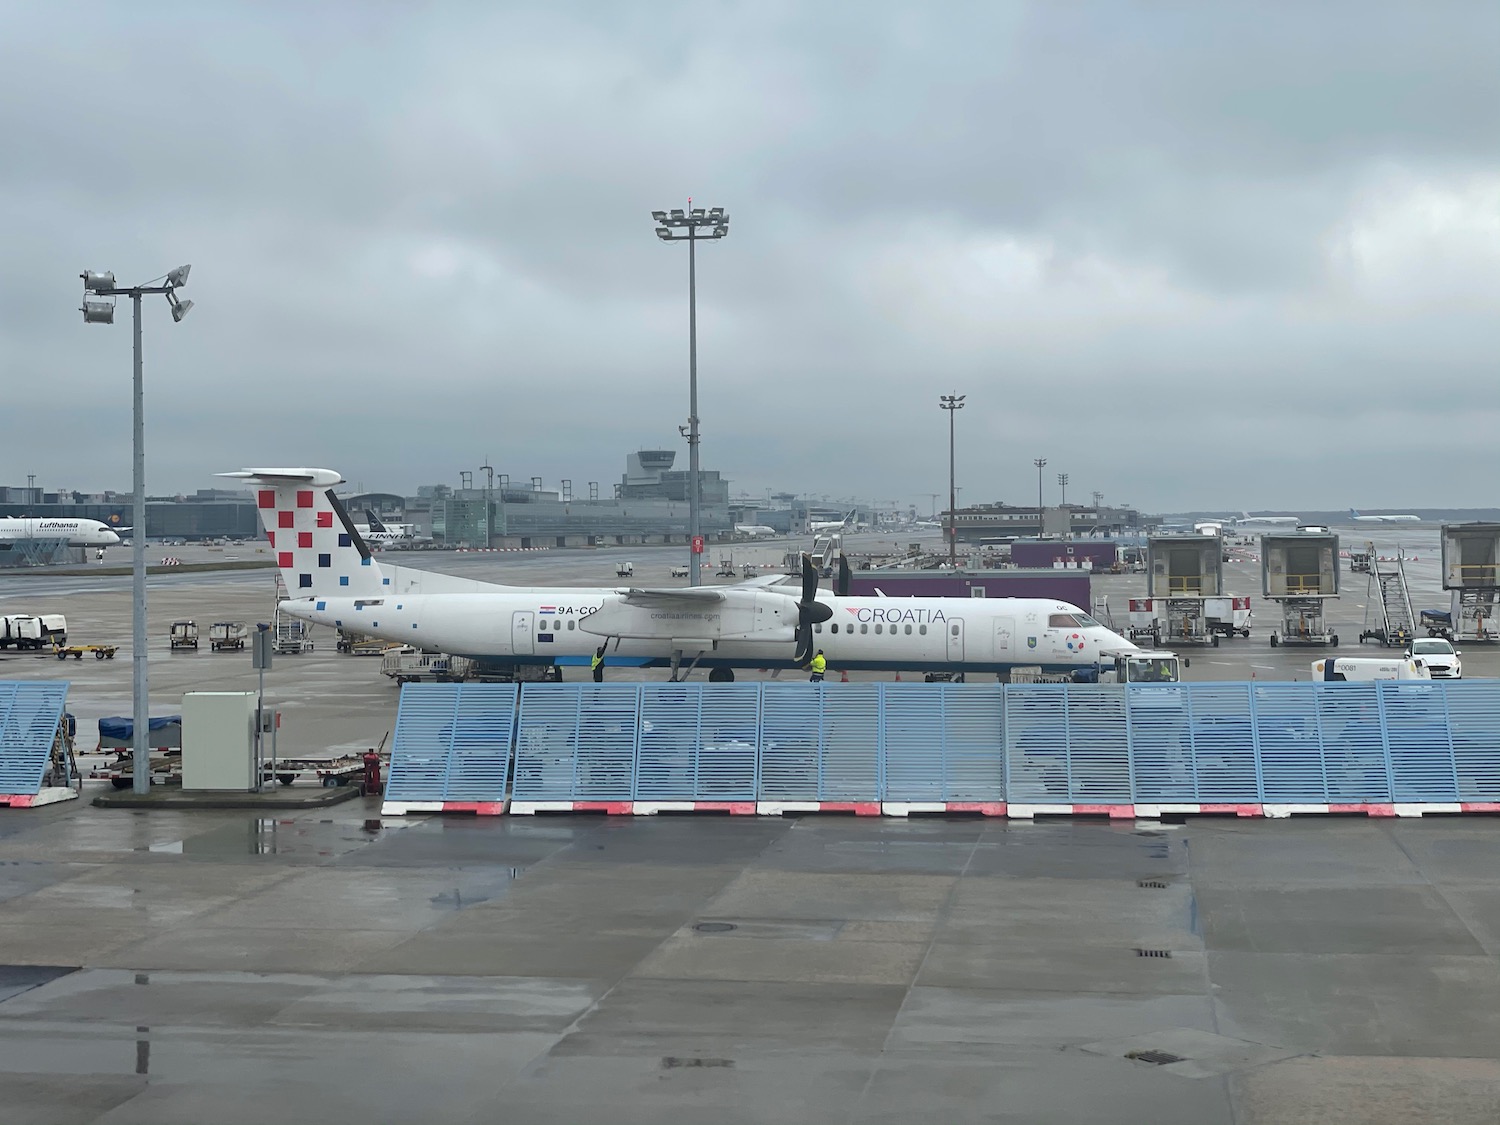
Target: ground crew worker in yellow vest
[(818, 665), (597, 663)]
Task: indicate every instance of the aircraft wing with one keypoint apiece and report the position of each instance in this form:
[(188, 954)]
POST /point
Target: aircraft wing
[(695, 596)]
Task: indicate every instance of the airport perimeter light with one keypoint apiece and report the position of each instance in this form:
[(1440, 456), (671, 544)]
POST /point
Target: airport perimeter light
[(1041, 513), (690, 226), (952, 404), (99, 285), (1062, 484)]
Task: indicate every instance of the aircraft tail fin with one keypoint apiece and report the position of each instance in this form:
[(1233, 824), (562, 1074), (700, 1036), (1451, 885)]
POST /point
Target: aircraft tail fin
[(317, 548), (1354, 513), (372, 521)]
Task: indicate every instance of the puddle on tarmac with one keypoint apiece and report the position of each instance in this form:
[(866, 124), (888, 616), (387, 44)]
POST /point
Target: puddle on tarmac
[(474, 892), (269, 836)]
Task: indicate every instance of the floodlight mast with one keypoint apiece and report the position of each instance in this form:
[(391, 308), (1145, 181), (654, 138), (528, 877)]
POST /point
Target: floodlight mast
[(103, 312), (952, 404), (686, 226)]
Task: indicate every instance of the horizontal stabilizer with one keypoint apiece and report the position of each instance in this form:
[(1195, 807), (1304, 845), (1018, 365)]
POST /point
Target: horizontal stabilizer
[(318, 478)]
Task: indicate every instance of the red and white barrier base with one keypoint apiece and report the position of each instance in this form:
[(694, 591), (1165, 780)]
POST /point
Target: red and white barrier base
[(49, 795), (1010, 810)]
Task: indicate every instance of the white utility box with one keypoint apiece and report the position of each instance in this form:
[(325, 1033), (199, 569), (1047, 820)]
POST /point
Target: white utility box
[(218, 740)]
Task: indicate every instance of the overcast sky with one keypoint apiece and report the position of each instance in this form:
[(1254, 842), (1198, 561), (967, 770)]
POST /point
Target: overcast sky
[(1196, 255)]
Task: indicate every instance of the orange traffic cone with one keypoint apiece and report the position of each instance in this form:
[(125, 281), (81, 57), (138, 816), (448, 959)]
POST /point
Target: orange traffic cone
[(898, 677), (844, 676)]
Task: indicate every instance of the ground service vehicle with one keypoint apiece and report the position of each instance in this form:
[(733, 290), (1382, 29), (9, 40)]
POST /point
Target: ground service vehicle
[(1356, 669), (184, 634), (1439, 656), (1144, 666), (224, 635)]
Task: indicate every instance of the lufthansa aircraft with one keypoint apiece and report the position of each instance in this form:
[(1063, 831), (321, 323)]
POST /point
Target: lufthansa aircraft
[(78, 532), (1354, 515), (334, 580)]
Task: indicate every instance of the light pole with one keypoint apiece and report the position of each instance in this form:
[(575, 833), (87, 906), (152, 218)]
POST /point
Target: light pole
[(684, 226), (103, 312), (952, 404), (1062, 503), (1041, 513)]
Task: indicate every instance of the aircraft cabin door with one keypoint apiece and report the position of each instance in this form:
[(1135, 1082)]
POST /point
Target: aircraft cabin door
[(955, 639), (522, 632)]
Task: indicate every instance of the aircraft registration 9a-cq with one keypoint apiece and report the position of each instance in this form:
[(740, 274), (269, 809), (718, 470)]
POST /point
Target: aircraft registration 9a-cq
[(333, 579)]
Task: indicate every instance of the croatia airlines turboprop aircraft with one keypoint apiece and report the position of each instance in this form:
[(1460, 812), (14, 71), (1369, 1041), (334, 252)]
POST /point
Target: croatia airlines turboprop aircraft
[(1354, 515), (333, 580), (78, 533)]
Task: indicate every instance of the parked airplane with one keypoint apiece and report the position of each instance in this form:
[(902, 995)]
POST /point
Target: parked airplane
[(754, 530), (334, 580), (1354, 515), (78, 532), (833, 525), (1275, 521), (376, 530)]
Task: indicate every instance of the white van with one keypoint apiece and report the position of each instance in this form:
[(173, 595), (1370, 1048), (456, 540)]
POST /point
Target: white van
[(1354, 668)]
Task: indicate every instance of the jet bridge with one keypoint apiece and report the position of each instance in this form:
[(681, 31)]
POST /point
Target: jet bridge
[(1300, 571), (1182, 572), (1471, 572)]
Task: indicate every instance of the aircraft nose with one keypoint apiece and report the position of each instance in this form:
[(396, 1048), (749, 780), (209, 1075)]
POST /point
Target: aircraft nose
[(114, 537)]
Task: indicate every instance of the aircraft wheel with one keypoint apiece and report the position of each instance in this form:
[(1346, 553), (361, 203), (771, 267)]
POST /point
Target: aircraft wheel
[(721, 675)]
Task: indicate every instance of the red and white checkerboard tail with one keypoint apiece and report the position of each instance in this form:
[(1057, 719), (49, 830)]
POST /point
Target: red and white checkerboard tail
[(317, 548)]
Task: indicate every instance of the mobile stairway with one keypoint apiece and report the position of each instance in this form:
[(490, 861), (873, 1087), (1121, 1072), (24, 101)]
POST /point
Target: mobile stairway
[(1388, 614)]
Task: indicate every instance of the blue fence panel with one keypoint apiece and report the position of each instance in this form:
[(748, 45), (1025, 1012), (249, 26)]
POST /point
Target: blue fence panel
[(1474, 726), (698, 742), (1036, 743), (483, 731), (1099, 744), (1223, 734), (1419, 742), (851, 744), (973, 747), (1161, 743), (729, 754), (791, 741), (29, 714), (1354, 761), (608, 721), (1287, 733), (916, 767), (452, 743), (576, 742)]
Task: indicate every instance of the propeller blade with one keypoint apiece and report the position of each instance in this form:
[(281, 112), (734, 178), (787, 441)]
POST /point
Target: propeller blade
[(804, 651), (841, 582), (809, 580)]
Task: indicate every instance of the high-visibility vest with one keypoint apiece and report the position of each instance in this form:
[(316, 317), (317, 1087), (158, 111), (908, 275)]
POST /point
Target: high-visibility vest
[(595, 660), (819, 664)]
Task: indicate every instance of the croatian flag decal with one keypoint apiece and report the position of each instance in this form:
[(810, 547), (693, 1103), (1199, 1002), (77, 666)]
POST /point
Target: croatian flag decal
[(547, 609)]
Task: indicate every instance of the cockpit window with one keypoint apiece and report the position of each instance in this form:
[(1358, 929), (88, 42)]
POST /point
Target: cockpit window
[(1062, 621)]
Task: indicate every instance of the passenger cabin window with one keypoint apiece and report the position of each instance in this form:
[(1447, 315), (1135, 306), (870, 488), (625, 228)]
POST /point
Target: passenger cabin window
[(570, 623), (922, 629), (908, 630), (834, 628), (954, 630), (878, 627), (864, 628)]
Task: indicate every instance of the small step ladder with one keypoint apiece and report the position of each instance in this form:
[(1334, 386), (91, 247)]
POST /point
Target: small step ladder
[(1389, 598)]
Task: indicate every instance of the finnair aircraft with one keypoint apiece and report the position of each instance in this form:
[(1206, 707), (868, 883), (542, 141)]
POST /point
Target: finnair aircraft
[(78, 532), (833, 525), (1354, 515), (376, 530), (334, 580), (755, 530)]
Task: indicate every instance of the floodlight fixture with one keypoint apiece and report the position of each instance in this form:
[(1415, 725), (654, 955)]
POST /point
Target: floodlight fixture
[(95, 282), (663, 232), (179, 276), (677, 213), (98, 312), (659, 216), (180, 309)]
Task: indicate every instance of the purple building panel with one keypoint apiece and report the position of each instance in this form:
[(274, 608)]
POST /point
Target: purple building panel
[(1071, 586), (1045, 553)]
